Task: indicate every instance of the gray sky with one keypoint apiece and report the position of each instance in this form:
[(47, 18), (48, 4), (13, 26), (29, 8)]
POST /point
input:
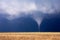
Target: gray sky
[(45, 6), (15, 7)]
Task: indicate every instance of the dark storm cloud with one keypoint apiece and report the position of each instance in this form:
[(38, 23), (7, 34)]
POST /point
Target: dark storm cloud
[(15, 7)]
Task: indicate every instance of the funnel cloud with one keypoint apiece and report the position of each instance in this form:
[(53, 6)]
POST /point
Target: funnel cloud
[(36, 9)]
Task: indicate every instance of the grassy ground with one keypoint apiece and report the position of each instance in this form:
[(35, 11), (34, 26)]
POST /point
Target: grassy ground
[(30, 36)]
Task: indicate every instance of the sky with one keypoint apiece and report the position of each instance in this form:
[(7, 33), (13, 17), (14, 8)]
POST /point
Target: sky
[(15, 7)]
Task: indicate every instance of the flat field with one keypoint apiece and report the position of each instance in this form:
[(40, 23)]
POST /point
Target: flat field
[(29, 36)]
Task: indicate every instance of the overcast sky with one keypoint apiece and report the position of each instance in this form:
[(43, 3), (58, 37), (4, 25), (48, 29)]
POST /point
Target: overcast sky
[(15, 7)]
